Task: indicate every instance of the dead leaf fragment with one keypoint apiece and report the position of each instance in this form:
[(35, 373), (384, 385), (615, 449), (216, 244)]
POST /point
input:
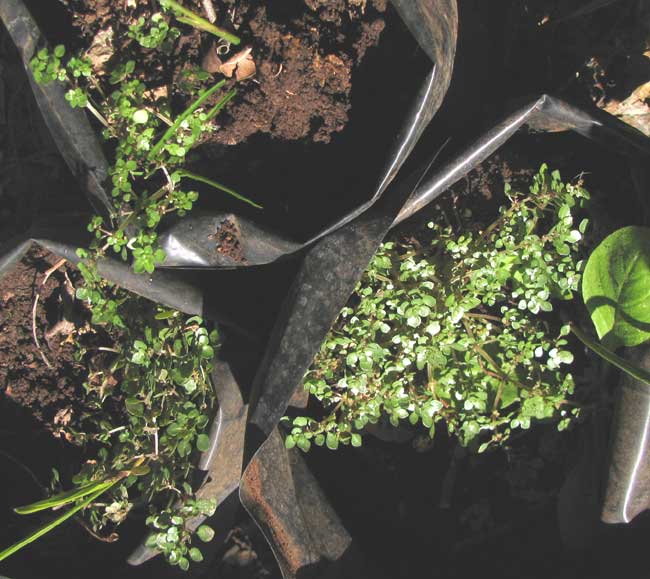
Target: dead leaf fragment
[(101, 49), (63, 416), (211, 61), (241, 64), (635, 109)]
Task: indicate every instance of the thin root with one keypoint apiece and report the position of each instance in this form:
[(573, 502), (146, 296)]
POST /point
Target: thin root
[(38, 345)]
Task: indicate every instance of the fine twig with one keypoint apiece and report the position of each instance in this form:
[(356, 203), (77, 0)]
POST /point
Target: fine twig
[(110, 539), (50, 271)]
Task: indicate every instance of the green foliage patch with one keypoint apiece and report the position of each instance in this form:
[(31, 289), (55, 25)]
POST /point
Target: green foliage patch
[(147, 408), (452, 327)]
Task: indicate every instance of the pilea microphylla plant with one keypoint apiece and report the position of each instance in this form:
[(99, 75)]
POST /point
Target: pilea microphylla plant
[(146, 406), (452, 326)]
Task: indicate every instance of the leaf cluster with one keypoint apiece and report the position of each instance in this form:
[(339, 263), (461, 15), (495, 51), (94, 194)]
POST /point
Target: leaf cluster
[(151, 403), (171, 535), (148, 181)]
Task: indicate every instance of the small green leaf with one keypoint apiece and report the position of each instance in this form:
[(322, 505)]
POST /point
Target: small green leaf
[(207, 352), (196, 555), (205, 533), (140, 117), (134, 406), (332, 441), (303, 443), (203, 442), (289, 442)]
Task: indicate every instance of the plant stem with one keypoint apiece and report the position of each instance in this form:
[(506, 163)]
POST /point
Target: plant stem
[(188, 17), (611, 357), (222, 103), (97, 114)]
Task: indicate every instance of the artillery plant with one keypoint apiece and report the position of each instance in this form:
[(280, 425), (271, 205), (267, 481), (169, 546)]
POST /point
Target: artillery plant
[(147, 407), (453, 326)]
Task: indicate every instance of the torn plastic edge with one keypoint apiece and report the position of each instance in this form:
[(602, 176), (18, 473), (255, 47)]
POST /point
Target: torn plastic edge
[(403, 149), (543, 113), (70, 129), (77, 142)]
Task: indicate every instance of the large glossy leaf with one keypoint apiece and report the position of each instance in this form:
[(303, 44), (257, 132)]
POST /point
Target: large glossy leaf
[(616, 287)]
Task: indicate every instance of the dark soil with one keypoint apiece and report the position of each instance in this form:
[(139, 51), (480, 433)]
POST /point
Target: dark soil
[(305, 53), (48, 390)]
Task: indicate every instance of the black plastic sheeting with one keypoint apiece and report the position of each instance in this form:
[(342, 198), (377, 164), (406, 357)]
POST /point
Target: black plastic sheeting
[(247, 461)]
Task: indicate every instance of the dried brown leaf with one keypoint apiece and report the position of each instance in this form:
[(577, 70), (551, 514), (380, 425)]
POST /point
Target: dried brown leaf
[(240, 64)]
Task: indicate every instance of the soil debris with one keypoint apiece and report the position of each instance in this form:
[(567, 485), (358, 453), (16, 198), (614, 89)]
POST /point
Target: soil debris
[(24, 379), (227, 241), (300, 76)]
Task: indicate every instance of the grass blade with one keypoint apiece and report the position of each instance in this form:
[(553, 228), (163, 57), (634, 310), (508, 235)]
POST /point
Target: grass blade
[(61, 499), (186, 113), (55, 523), (219, 186), (611, 357)]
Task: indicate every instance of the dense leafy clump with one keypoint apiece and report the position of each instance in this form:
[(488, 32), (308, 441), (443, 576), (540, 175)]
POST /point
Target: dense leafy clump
[(148, 405), (452, 327)]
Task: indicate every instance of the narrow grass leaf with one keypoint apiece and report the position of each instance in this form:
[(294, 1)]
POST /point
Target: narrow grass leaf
[(53, 524), (220, 187), (62, 498)]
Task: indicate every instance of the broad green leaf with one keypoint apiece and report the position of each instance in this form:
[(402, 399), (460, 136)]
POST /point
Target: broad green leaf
[(616, 287)]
